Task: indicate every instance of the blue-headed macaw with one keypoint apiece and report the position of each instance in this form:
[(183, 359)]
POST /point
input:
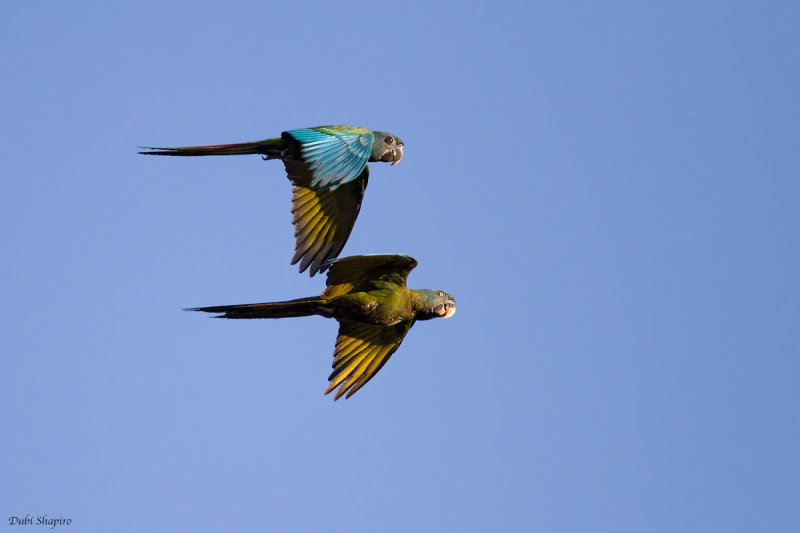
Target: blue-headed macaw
[(368, 295), (327, 166)]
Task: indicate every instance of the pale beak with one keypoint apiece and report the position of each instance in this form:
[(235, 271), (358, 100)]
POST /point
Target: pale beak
[(399, 150)]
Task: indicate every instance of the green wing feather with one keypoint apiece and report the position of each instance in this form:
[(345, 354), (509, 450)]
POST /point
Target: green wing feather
[(367, 272), (361, 351)]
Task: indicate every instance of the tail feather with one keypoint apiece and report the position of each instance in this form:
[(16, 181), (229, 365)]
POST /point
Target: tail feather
[(272, 148), (299, 307)]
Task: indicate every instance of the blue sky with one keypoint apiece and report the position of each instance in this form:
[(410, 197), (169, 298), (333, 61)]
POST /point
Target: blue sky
[(609, 191)]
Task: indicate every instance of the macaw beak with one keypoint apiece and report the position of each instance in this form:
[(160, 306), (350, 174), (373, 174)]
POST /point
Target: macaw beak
[(446, 310), (397, 154), (394, 155)]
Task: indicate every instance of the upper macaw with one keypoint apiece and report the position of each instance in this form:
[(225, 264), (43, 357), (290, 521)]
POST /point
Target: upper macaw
[(367, 294), (328, 169)]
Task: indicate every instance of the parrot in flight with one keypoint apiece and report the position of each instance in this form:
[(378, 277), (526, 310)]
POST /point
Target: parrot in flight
[(367, 295), (327, 166)]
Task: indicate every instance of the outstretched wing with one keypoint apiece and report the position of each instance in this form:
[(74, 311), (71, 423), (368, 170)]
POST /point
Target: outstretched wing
[(322, 218), (334, 154), (362, 350), (367, 272)]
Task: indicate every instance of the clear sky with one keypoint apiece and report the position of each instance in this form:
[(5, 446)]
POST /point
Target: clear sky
[(611, 192)]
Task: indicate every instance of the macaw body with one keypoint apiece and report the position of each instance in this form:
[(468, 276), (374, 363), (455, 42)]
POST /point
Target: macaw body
[(327, 166), (368, 296)]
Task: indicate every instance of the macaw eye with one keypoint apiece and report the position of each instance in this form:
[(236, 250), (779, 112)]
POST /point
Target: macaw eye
[(441, 293), (388, 140)]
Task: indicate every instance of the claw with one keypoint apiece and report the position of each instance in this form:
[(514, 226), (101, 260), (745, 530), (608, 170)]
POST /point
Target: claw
[(274, 153)]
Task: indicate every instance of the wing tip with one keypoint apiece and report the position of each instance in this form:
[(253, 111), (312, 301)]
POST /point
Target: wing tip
[(330, 388)]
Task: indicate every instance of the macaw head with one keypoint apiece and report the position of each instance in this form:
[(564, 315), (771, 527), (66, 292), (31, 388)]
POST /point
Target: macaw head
[(436, 304), (386, 147)]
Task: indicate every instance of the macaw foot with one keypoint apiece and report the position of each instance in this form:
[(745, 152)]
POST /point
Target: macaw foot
[(275, 153)]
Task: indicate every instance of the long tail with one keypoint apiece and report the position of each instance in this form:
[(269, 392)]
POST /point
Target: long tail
[(299, 307), (272, 148)]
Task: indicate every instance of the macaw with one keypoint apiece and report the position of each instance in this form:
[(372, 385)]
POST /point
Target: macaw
[(327, 166), (367, 295)]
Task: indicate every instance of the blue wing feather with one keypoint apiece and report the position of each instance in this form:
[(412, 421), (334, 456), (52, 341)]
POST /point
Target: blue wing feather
[(334, 155)]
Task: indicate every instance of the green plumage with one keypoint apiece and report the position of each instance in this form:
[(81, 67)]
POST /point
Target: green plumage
[(368, 295)]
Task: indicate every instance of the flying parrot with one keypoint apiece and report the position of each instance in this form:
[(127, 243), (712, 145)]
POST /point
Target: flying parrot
[(327, 166), (367, 294)]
